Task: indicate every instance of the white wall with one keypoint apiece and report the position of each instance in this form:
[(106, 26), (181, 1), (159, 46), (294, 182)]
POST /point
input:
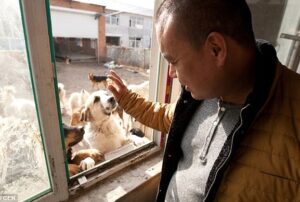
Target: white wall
[(73, 23)]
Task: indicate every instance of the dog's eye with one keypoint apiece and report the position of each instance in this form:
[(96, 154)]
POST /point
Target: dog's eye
[(96, 99)]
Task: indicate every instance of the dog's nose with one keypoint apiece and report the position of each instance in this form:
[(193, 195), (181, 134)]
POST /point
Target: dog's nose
[(111, 100)]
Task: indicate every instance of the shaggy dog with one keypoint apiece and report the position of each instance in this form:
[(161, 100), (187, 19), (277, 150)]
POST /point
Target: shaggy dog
[(83, 159), (141, 89), (75, 118), (104, 129), (77, 100), (16, 107), (62, 97)]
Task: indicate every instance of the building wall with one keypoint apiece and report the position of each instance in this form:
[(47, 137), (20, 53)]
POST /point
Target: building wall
[(74, 24), (137, 57), (125, 32)]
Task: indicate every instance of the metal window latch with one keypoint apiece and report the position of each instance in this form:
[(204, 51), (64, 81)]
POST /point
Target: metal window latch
[(82, 180), (290, 36), (293, 57)]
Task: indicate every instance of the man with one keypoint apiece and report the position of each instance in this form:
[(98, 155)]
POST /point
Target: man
[(235, 134)]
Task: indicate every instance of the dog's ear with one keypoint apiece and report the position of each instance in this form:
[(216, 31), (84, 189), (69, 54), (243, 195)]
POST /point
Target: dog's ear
[(83, 115), (86, 115), (96, 99), (75, 118)]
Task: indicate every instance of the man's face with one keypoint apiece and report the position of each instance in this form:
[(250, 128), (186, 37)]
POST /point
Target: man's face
[(194, 69)]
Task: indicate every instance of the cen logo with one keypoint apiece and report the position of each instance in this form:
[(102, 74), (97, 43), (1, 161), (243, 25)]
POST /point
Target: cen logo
[(8, 197)]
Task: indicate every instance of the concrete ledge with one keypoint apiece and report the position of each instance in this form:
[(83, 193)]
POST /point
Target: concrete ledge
[(138, 182)]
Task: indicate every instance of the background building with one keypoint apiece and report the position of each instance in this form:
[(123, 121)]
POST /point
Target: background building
[(100, 30)]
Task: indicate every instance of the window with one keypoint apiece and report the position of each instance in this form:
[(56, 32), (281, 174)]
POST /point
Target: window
[(113, 41), (136, 22), (93, 43), (112, 19), (24, 167), (135, 42), (77, 82)]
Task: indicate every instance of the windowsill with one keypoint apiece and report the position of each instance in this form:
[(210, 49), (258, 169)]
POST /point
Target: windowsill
[(124, 182)]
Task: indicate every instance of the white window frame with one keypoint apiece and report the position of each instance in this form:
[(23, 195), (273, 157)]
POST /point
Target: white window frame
[(112, 19), (134, 43), (136, 22), (44, 81)]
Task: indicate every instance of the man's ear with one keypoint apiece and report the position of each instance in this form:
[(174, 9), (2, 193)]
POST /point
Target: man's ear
[(217, 46)]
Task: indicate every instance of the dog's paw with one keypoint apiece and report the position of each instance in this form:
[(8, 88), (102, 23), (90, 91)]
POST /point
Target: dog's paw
[(87, 163), (137, 132), (73, 169), (96, 155)]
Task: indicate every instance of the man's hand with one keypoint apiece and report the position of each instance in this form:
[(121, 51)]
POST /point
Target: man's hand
[(116, 85)]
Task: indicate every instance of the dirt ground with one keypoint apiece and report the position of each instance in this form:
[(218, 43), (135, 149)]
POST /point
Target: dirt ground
[(74, 76)]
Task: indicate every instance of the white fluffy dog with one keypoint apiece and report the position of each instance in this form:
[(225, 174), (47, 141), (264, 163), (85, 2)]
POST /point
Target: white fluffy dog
[(16, 107), (104, 129), (62, 97), (141, 89), (77, 100)]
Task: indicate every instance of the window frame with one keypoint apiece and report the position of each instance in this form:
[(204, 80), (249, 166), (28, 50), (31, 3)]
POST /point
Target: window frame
[(135, 42), (37, 25), (109, 19), (43, 73), (136, 22)]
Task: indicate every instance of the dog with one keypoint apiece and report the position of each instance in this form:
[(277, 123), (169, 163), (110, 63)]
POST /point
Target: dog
[(82, 159), (77, 101), (142, 89), (62, 97), (130, 123), (75, 118), (97, 80), (104, 130), (16, 107)]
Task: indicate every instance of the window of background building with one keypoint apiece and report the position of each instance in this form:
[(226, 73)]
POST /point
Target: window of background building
[(113, 41), (136, 22), (135, 42), (112, 19)]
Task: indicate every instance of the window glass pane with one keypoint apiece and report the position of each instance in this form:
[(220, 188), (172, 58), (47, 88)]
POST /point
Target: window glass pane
[(278, 21), (107, 19), (81, 71), (114, 20), (23, 171)]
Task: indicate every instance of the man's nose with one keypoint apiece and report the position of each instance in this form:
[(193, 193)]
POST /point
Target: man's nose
[(172, 71)]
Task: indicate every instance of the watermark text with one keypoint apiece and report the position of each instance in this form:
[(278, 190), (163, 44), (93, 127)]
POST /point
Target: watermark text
[(8, 197)]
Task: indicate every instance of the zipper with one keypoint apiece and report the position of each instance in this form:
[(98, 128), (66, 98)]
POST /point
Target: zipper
[(229, 151), (211, 133)]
